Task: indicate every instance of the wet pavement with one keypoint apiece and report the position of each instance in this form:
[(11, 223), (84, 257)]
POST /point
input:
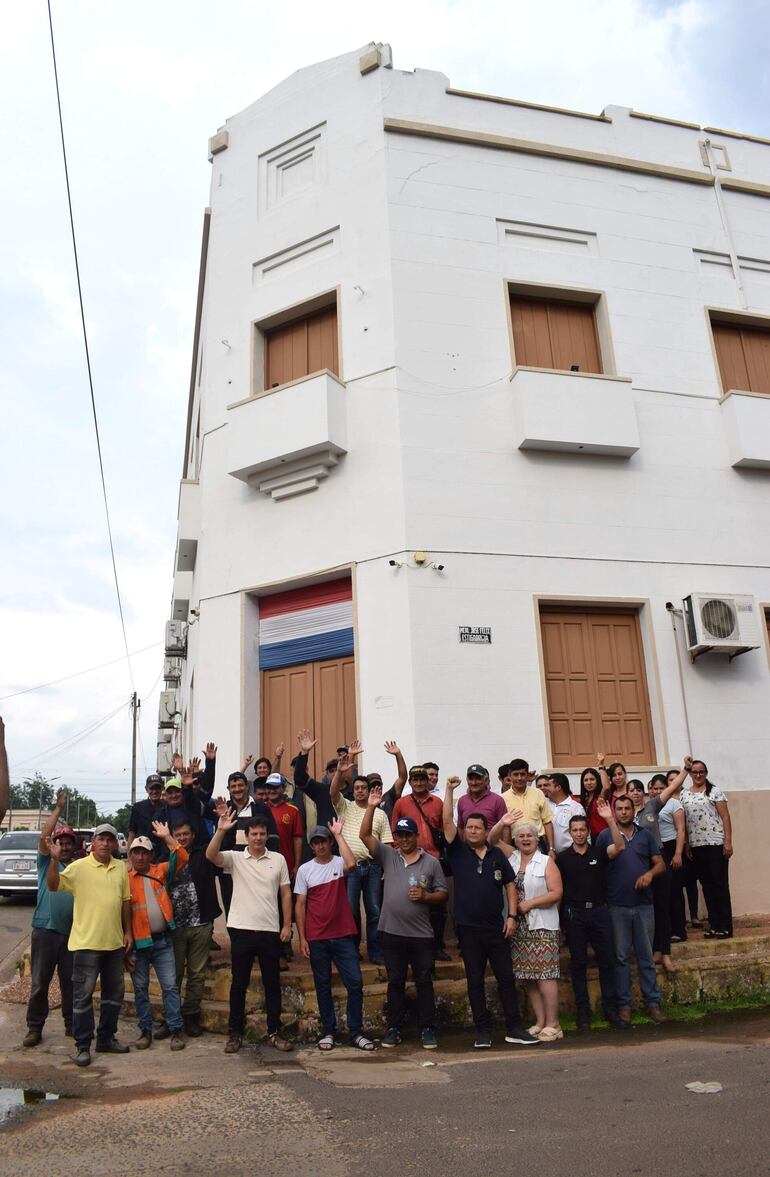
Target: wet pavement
[(602, 1103)]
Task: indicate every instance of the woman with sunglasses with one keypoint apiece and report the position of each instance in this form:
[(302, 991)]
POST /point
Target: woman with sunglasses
[(710, 843)]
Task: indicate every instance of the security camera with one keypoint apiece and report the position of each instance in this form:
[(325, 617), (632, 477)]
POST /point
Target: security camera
[(396, 563), (439, 567)]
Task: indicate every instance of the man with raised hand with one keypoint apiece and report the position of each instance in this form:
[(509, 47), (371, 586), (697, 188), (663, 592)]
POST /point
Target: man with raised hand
[(51, 927), (426, 810), (413, 883), (152, 922), (241, 808), (364, 879), (100, 939), (483, 880), (585, 915), (327, 933), (629, 877), (259, 877)]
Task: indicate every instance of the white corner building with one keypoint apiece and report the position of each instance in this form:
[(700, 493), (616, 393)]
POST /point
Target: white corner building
[(478, 444)]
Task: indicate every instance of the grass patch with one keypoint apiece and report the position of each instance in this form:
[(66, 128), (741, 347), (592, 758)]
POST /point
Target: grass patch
[(757, 1001)]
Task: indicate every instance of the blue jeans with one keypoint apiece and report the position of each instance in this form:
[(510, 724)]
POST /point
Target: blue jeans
[(632, 930), (88, 967), (161, 956), (366, 880), (341, 951)]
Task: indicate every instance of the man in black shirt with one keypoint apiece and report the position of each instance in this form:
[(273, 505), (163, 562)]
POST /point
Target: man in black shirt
[(482, 876), (144, 813), (586, 917)]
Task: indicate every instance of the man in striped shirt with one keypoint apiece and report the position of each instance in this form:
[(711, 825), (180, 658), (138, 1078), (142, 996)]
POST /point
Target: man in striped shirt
[(327, 932)]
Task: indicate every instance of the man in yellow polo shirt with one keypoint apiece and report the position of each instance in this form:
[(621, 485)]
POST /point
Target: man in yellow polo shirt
[(530, 801), (100, 938)]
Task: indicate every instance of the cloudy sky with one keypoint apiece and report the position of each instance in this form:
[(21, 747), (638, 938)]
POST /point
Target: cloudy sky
[(143, 86)]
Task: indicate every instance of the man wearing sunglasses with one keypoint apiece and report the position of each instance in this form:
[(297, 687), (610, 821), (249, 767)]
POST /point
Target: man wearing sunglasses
[(483, 879)]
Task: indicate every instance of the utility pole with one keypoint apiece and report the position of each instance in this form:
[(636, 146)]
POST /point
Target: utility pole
[(134, 716)]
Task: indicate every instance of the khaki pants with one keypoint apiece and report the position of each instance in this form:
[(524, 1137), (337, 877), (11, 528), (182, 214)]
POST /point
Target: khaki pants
[(191, 954)]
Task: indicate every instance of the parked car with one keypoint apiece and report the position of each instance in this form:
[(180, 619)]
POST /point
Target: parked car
[(18, 862), (122, 846)]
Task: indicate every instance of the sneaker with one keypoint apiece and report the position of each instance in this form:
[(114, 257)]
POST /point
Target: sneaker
[(233, 1044), (483, 1040), (82, 1058), (392, 1037), (144, 1041), (161, 1032), (429, 1039), (111, 1046), (177, 1041), (583, 1020), (521, 1036), (32, 1037)]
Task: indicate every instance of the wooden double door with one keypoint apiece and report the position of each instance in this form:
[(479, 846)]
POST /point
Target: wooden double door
[(320, 696)]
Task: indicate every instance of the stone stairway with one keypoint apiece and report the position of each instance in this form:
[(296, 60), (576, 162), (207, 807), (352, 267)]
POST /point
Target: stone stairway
[(707, 971)]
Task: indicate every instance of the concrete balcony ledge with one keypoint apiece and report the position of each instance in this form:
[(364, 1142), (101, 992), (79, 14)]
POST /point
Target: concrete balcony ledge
[(285, 441), (180, 605), (189, 524), (574, 412), (746, 422)]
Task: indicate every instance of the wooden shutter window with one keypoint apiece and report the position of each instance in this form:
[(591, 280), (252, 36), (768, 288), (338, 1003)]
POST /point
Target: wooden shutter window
[(302, 347), (596, 687), (551, 334), (743, 354)]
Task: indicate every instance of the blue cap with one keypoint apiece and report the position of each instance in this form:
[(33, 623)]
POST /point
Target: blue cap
[(406, 825)]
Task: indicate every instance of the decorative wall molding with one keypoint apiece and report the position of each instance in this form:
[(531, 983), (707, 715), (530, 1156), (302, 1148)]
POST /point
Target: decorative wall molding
[(534, 236), (292, 167), (326, 242)]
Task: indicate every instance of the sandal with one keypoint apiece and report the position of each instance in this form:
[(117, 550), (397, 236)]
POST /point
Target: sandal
[(717, 935), (326, 1043), (279, 1043), (535, 1030), (551, 1034), (362, 1043)]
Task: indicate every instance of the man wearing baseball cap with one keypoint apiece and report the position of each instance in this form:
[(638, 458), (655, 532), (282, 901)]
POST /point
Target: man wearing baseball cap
[(479, 799), (413, 884), (100, 938), (327, 932), (51, 926), (144, 813)]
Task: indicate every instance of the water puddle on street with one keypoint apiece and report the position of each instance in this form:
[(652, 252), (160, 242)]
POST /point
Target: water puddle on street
[(13, 1099)]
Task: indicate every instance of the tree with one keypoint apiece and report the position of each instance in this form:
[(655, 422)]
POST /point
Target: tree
[(120, 819), (33, 793)]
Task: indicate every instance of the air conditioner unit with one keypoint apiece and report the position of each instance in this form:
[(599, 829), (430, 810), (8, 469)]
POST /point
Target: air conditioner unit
[(721, 624), (172, 668), (165, 754), (168, 708), (176, 638)]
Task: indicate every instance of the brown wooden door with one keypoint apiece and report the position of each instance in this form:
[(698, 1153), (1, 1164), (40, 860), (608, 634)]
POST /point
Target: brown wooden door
[(744, 357), (596, 687), (550, 334), (320, 696), (301, 347)]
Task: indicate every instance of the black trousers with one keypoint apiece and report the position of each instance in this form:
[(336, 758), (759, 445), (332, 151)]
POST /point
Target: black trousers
[(690, 884), (438, 923), (477, 947), (661, 899), (247, 946), (676, 893), (402, 953), (584, 926), (50, 954), (713, 869)]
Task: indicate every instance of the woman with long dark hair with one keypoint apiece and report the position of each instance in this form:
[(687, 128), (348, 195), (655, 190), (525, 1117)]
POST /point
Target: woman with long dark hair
[(710, 842), (591, 792), (618, 782)]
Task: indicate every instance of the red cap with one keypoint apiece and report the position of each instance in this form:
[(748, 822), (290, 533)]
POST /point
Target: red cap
[(64, 831)]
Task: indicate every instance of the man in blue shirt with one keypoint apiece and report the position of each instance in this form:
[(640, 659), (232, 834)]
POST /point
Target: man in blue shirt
[(51, 925), (628, 880)]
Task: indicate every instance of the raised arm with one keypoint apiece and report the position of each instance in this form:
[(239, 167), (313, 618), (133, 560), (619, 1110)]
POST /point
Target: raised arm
[(448, 815), (392, 748), (498, 832), (305, 745), (206, 781), (365, 833), (51, 822), (617, 845), (335, 788), (676, 783), (278, 757), (52, 875), (5, 785), (346, 854), (213, 853), (602, 771)]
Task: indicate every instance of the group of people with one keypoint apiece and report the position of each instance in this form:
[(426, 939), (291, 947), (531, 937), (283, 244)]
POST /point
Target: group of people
[(520, 870)]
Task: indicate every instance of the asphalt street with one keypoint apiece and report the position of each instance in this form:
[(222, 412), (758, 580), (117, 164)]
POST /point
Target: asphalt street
[(15, 925), (599, 1104)]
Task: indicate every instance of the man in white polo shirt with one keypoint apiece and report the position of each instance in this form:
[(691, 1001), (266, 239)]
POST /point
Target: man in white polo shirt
[(260, 876)]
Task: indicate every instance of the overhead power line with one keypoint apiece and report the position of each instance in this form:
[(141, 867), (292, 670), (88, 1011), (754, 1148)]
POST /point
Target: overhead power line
[(76, 674), (71, 740), (88, 354)]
